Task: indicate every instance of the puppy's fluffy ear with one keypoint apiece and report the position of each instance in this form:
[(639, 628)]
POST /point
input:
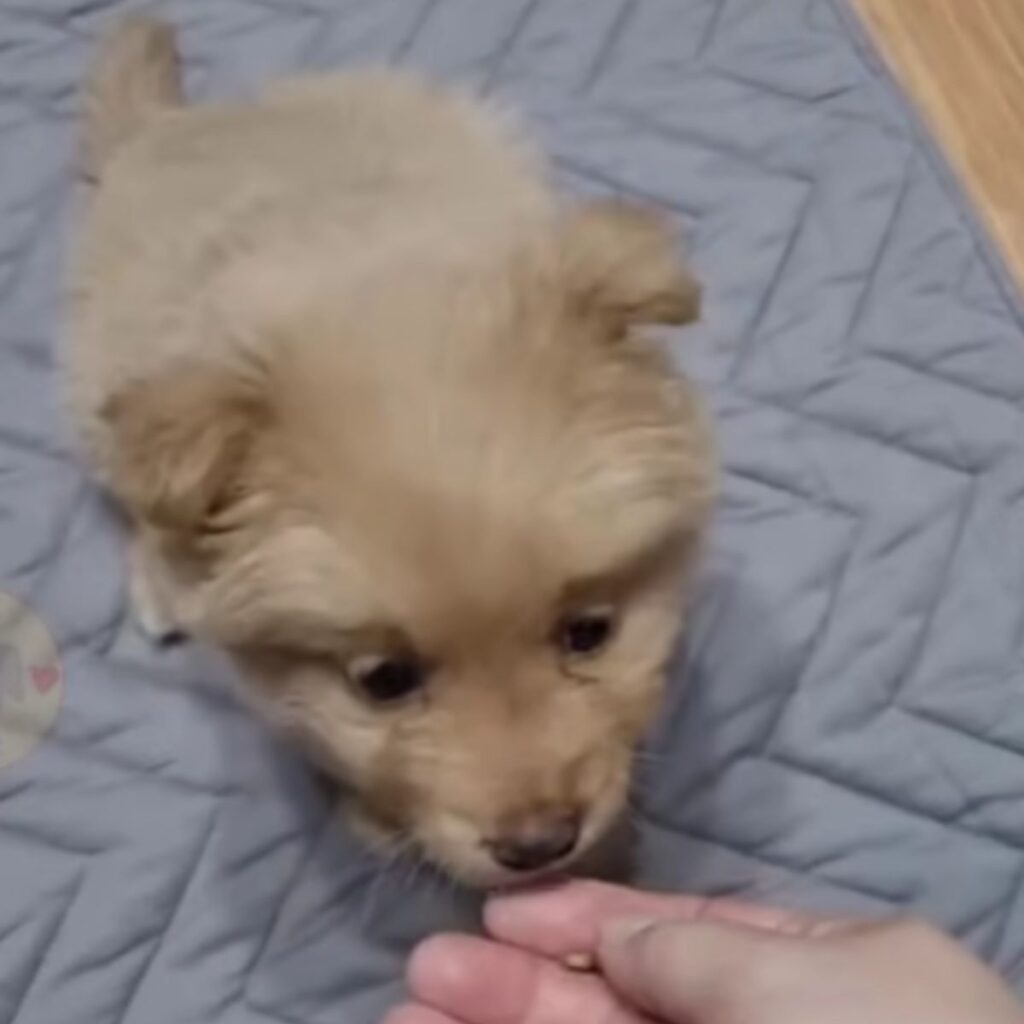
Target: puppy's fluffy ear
[(180, 442), (620, 262)]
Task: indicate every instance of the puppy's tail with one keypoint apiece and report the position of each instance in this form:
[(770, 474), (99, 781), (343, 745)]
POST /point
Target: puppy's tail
[(135, 76)]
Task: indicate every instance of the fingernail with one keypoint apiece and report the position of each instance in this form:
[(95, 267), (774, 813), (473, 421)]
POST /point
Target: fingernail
[(621, 930)]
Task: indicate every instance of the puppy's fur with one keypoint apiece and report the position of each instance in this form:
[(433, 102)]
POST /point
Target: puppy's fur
[(363, 392)]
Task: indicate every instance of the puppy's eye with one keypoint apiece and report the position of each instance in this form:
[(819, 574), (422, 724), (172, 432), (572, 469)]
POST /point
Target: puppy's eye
[(585, 632), (386, 680)]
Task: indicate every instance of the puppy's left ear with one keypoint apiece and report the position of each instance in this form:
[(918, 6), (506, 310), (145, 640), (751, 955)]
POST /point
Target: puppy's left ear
[(181, 440), (621, 263)]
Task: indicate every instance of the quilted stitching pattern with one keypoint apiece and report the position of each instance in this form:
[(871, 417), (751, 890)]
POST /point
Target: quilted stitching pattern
[(850, 733)]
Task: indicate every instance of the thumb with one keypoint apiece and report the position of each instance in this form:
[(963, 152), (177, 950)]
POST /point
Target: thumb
[(683, 972)]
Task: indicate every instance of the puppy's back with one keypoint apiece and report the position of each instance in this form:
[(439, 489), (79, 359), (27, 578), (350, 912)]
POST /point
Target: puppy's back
[(314, 178)]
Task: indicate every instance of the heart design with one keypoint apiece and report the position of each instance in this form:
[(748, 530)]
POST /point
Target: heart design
[(44, 677)]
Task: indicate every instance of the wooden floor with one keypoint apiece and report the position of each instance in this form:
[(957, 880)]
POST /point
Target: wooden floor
[(962, 61)]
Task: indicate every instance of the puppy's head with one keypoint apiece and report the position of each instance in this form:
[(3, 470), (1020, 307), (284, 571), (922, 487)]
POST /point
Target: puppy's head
[(444, 527)]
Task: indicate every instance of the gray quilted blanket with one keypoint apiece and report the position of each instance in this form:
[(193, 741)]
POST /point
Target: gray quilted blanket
[(846, 725)]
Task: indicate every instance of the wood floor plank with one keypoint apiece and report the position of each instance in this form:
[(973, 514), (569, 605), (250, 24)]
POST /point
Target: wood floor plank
[(962, 62)]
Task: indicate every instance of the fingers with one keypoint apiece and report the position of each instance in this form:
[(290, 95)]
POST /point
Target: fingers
[(480, 982), (414, 1013), (672, 956), (568, 919), (698, 970)]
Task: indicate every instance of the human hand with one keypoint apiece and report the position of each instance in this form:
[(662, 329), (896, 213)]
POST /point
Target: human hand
[(689, 961)]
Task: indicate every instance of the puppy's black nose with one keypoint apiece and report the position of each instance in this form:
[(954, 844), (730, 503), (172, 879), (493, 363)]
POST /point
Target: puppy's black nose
[(536, 842)]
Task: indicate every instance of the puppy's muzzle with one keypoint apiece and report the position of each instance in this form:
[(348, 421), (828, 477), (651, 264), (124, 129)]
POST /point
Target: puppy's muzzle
[(535, 842)]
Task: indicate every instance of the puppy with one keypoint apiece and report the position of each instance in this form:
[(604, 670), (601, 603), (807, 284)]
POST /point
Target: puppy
[(386, 428)]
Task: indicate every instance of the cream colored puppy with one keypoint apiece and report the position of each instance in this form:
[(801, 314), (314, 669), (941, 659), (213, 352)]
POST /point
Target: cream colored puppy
[(385, 428)]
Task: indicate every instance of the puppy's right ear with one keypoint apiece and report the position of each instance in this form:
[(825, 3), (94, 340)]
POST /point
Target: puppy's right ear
[(180, 443)]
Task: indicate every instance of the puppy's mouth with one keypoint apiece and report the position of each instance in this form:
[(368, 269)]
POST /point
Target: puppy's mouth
[(536, 844), (541, 850), (498, 846), (546, 849), (484, 872)]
